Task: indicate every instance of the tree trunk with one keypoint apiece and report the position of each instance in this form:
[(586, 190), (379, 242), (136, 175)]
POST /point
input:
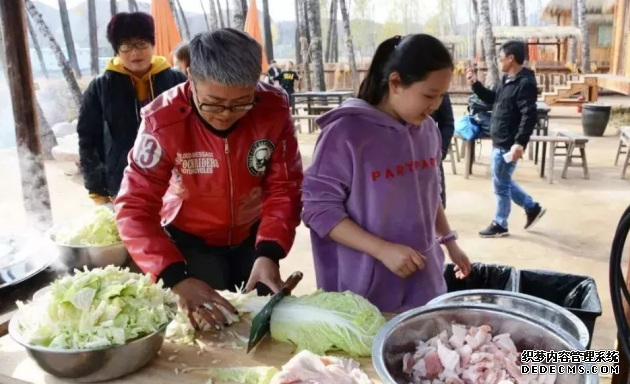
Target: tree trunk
[(245, 9), (492, 77), (335, 46), (328, 48), (472, 48), (227, 13), (349, 45), (586, 49), (220, 12), (239, 17), (304, 43), (575, 21), (113, 7), (133, 6), (315, 25), (178, 21), (35, 194), (46, 135), (298, 55), (513, 12), (184, 20), (93, 37), (205, 15), (38, 49), (267, 29), (522, 13), (75, 91), (214, 20), (67, 34)]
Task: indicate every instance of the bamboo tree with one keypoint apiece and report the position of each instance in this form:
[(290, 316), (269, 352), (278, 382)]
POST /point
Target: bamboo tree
[(75, 91), (227, 13), (184, 20), (298, 49), (304, 43), (67, 34), (214, 22), (492, 77), (205, 15), (38, 49)]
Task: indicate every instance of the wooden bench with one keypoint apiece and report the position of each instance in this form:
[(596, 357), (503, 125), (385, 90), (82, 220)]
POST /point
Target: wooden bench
[(624, 149), (577, 142)]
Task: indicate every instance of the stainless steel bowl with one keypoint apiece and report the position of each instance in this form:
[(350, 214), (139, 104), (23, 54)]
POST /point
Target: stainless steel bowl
[(401, 335), (78, 256), (544, 310), (89, 366)]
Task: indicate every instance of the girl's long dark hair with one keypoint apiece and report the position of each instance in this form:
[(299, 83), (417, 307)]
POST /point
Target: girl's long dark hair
[(413, 57)]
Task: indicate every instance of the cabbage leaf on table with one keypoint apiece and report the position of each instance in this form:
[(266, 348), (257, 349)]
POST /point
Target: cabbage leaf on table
[(95, 229), (97, 308)]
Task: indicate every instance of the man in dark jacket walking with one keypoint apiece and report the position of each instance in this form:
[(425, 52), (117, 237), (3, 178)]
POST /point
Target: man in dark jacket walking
[(513, 121), (443, 117), (110, 112)]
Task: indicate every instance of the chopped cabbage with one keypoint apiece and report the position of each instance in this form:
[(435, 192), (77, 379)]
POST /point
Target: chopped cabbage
[(242, 375), (97, 308), (95, 229)]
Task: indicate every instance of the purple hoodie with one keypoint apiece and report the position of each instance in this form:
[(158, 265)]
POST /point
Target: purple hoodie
[(384, 175)]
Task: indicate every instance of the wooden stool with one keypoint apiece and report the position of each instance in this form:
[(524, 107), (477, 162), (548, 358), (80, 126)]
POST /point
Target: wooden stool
[(624, 143), (577, 142), (451, 157)]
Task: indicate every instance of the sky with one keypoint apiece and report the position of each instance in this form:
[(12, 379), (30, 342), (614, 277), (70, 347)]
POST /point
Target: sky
[(282, 10)]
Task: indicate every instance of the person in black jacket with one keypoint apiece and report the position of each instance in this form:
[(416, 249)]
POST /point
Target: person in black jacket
[(443, 117), (512, 124), (110, 111)]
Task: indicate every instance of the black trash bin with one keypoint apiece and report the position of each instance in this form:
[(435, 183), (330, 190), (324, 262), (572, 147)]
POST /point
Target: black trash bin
[(483, 276), (577, 294)]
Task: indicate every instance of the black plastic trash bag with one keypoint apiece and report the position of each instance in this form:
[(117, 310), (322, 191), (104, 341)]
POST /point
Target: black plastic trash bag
[(577, 294), (483, 276)]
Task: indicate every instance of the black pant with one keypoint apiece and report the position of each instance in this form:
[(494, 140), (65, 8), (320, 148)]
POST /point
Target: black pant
[(443, 185), (222, 268)]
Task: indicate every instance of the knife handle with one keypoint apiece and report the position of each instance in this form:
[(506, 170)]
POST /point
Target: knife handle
[(292, 282)]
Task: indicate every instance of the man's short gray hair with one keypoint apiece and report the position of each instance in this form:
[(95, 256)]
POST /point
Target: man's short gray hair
[(226, 56)]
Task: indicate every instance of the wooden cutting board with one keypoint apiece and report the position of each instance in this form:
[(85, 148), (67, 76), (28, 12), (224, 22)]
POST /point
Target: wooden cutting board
[(17, 367)]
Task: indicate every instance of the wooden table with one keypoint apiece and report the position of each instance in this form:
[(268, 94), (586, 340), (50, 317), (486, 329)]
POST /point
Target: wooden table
[(17, 367)]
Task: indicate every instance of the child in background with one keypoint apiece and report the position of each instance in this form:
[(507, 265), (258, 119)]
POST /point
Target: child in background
[(372, 195), (181, 54), (288, 79)]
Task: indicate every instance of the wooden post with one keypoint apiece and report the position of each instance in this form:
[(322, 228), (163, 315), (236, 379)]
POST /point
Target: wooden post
[(34, 185)]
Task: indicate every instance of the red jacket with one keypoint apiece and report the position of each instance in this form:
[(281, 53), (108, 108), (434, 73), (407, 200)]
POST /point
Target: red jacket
[(216, 188)]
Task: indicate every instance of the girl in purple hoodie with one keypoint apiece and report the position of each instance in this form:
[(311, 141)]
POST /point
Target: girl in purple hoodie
[(372, 194)]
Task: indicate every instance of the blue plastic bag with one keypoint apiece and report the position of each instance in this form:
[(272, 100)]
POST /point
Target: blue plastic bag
[(467, 128)]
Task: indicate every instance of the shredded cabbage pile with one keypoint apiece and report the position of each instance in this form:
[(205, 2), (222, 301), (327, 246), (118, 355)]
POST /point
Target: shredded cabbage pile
[(95, 229), (242, 375), (319, 322), (97, 308)]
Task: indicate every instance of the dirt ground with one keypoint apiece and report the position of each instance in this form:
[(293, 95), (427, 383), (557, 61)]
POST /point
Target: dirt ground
[(574, 237)]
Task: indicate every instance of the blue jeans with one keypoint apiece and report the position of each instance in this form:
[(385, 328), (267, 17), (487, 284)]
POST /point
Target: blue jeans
[(505, 189)]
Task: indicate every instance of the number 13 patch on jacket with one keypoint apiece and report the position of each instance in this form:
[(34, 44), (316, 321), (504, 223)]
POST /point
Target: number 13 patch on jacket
[(147, 152), (258, 156)]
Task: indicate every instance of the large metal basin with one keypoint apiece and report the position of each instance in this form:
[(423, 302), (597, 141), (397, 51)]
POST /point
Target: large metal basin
[(88, 366), (401, 335), (544, 310), (79, 256)]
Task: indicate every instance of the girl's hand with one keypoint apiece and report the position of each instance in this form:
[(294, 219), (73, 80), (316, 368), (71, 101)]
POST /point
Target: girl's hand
[(400, 259), (460, 259)]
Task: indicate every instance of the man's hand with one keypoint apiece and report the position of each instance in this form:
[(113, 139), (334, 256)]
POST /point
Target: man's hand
[(400, 259), (460, 259), (471, 76), (99, 199), (517, 152), (197, 296), (265, 271)]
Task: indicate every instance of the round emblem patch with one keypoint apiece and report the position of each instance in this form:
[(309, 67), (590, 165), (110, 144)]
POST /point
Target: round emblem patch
[(147, 152), (258, 156)]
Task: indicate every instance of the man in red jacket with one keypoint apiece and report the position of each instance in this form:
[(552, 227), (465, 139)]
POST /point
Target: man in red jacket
[(211, 197)]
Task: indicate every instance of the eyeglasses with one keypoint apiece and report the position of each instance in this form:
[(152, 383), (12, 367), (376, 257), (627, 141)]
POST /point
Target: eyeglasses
[(215, 108), (140, 46)]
